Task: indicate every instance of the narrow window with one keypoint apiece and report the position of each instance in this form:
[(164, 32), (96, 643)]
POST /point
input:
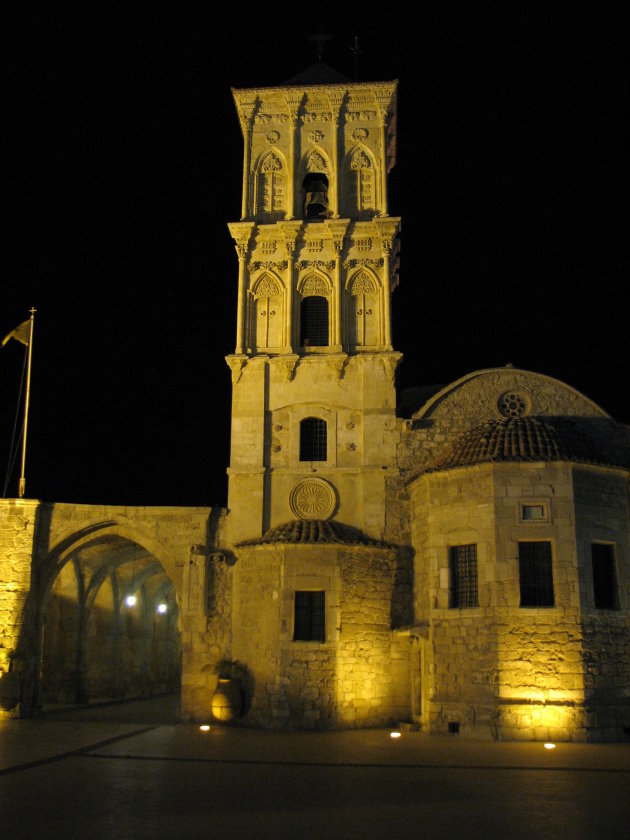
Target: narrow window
[(604, 577), (313, 439), (535, 574), (463, 563), (315, 195), (534, 513), (314, 321), (310, 621)]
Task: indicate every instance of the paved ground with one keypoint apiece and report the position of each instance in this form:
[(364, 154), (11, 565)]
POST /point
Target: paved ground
[(116, 773)]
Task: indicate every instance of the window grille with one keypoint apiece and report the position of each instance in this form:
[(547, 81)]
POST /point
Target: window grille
[(463, 563), (313, 439), (535, 574), (604, 577), (314, 321), (310, 620)]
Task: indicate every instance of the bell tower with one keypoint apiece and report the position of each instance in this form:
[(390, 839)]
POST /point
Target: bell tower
[(313, 408)]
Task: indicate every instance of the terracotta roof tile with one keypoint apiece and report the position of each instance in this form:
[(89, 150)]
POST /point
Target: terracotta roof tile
[(314, 532), (518, 439)]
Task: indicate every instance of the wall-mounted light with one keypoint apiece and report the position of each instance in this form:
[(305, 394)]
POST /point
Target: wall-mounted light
[(130, 600), (550, 746), (161, 608), (394, 734)]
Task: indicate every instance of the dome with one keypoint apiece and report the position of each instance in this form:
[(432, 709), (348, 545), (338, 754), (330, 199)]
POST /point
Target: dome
[(517, 439), (314, 532)]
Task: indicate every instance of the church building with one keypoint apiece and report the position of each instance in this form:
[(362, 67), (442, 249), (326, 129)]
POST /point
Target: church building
[(457, 560)]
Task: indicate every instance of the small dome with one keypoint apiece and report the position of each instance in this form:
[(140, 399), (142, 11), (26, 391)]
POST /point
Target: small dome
[(518, 439), (314, 532)]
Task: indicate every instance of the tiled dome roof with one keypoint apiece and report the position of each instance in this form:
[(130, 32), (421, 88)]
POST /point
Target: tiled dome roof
[(517, 439), (314, 532)]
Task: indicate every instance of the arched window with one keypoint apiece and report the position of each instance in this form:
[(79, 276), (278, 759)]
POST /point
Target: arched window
[(313, 439), (270, 188), (361, 185), (314, 322), (364, 303), (315, 195)]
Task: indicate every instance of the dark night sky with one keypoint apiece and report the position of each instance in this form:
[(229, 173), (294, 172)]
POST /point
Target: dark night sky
[(125, 159)]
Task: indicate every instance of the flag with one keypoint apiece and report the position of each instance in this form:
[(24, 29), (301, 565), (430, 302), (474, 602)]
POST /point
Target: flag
[(22, 333)]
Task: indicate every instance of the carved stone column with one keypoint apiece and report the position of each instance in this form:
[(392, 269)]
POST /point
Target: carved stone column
[(290, 232), (337, 229), (241, 233), (247, 123), (387, 229)]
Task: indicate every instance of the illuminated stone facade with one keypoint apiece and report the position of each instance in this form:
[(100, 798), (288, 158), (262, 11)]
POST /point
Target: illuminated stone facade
[(458, 559)]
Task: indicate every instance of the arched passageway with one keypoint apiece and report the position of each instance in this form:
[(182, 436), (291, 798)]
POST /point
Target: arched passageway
[(109, 624)]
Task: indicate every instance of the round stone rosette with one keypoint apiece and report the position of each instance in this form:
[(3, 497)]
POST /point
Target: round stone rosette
[(312, 498), (517, 403)]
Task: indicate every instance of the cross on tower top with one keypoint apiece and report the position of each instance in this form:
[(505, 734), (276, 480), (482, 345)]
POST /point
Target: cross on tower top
[(320, 39)]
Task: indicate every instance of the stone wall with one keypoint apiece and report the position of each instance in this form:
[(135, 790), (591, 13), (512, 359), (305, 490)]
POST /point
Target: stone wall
[(521, 672), (359, 676), (18, 523)]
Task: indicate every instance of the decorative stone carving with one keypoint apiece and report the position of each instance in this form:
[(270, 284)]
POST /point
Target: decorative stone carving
[(366, 116), (517, 403), (314, 285), (302, 264), (272, 137), (316, 117), (359, 134), (360, 160), (316, 136), (338, 364), (284, 367), (279, 265), (315, 162), (270, 163), (266, 287), (391, 362), (269, 247), (364, 244), (363, 261), (236, 365), (312, 498), (362, 284)]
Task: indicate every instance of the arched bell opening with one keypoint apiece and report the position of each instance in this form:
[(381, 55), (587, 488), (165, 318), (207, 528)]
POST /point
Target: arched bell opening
[(109, 623)]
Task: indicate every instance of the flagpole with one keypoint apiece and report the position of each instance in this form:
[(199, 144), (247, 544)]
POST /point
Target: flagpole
[(22, 487)]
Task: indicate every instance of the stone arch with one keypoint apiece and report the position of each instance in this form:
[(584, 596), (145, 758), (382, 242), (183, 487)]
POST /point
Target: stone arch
[(267, 313), (316, 191), (363, 310), (315, 291), (270, 185), (360, 182), (90, 643), (477, 396)]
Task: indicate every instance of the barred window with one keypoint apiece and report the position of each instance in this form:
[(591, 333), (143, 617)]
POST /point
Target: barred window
[(463, 563), (310, 617), (535, 574), (314, 321), (604, 577), (313, 439)]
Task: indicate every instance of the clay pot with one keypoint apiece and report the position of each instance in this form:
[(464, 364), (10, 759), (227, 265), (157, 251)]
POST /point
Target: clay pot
[(227, 700)]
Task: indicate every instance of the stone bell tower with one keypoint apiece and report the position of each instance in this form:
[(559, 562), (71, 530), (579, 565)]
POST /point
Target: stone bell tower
[(313, 407)]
